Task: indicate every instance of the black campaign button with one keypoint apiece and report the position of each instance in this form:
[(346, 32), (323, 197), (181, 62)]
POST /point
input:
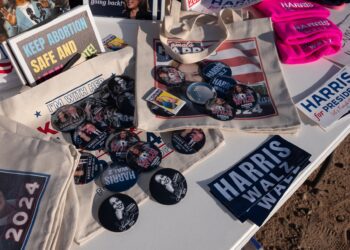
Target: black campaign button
[(126, 103), (168, 186), (118, 120), (188, 141), (200, 92), (219, 109), (120, 84), (118, 178), (143, 156), (88, 136), (117, 144), (88, 169), (169, 76), (67, 118), (215, 69), (243, 97), (223, 85), (95, 112), (118, 213)]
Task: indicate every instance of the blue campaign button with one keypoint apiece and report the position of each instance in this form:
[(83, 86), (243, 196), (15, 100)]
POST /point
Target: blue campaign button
[(118, 178), (223, 85), (215, 69)]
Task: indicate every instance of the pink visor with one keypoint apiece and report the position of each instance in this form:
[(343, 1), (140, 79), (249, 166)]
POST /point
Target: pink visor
[(309, 52), (306, 30), (287, 10)]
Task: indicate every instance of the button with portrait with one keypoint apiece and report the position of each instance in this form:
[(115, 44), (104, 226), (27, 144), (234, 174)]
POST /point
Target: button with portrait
[(116, 119), (126, 103), (143, 156), (188, 141), (117, 144), (219, 109), (214, 69), (118, 178), (68, 118), (118, 213), (88, 169), (243, 97), (169, 76), (88, 136), (200, 92), (168, 186), (95, 112), (118, 85)]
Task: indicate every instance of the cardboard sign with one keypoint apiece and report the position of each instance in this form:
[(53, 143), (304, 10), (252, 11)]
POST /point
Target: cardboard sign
[(329, 102), (40, 53)]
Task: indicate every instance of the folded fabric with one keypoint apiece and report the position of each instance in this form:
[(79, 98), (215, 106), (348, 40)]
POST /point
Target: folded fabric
[(306, 30), (33, 193), (308, 52), (284, 10)]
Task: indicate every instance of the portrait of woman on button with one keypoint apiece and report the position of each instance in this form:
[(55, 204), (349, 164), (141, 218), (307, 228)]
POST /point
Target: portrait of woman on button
[(137, 9)]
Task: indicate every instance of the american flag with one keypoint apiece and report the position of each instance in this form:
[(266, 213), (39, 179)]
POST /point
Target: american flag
[(243, 59), (5, 63)]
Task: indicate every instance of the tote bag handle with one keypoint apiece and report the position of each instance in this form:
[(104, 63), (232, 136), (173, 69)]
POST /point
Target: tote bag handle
[(185, 25)]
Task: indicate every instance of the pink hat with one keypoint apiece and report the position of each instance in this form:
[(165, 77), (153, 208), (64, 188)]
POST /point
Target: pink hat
[(306, 30), (287, 10), (309, 52)]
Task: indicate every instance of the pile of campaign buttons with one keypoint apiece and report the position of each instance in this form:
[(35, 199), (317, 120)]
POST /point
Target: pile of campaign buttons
[(101, 122), (213, 92)]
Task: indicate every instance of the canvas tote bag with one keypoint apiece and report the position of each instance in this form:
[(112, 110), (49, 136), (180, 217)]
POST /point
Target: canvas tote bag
[(65, 222), (191, 54), (33, 192), (74, 88)]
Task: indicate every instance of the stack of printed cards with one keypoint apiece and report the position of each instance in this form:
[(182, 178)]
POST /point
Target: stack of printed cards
[(253, 186)]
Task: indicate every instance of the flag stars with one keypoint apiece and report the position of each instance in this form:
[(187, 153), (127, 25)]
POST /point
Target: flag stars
[(37, 114)]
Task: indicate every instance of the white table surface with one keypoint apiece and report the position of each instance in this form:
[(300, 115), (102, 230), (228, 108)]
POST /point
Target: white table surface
[(199, 221)]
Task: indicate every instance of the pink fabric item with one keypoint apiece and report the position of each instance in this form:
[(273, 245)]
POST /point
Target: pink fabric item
[(308, 52), (306, 30), (288, 10)]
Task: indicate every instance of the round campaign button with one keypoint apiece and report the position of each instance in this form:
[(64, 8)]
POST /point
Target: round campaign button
[(168, 186), (120, 84), (188, 141), (67, 118), (118, 178), (215, 69), (118, 120), (200, 92), (117, 145), (143, 156), (243, 97), (219, 109), (118, 213), (88, 169), (88, 136), (223, 85), (170, 76), (95, 112), (126, 103), (104, 95)]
